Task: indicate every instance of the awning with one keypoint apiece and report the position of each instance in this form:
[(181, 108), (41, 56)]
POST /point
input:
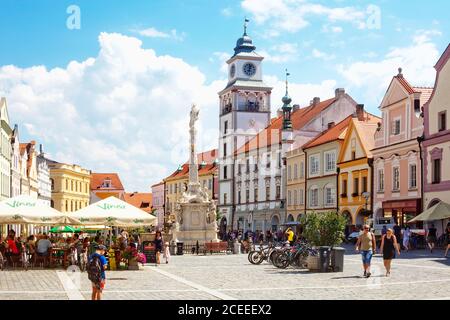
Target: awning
[(440, 211)]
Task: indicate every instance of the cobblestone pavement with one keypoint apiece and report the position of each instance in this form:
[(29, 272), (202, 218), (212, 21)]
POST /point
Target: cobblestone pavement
[(415, 275)]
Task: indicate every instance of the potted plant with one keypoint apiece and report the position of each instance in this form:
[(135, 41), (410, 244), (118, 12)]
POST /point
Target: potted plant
[(133, 258), (323, 231)]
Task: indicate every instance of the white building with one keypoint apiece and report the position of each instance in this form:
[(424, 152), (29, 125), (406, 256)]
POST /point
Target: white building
[(43, 179), (5, 151), (252, 147), (244, 111), (16, 176)]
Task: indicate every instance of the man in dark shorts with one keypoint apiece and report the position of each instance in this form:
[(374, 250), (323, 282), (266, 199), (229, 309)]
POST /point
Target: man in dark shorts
[(432, 237)]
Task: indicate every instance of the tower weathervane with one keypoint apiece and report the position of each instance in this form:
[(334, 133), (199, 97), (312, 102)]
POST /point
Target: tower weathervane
[(287, 84), (246, 21)]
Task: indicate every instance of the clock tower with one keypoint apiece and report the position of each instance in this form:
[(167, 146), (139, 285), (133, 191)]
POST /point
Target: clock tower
[(244, 112)]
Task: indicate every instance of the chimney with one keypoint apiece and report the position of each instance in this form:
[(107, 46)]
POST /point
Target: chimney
[(279, 113), (360, 112), (339, 92), (295, 107), (316, 101), (331, 125)]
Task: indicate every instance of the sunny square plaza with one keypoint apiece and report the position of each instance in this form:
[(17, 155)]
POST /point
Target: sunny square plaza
[(416, 275)]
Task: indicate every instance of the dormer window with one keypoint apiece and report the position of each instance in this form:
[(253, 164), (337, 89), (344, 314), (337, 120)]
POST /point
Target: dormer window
[(106, 183)]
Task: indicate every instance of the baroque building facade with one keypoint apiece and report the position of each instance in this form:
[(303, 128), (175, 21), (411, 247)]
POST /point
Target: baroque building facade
[(397, 157), (436, 140)]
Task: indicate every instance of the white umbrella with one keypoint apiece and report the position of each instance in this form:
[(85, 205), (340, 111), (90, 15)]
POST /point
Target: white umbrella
[(28, 210), (112, 212)]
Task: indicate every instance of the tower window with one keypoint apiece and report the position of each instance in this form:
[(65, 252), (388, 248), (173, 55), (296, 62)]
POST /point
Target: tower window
[(225, 127)]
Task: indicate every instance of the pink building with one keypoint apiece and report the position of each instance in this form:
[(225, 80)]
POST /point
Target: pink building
[(158, 203), (397, 162), (436, 144)]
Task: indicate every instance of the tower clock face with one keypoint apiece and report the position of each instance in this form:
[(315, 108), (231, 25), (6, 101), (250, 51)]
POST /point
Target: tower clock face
[(233, 71), (249, 69)]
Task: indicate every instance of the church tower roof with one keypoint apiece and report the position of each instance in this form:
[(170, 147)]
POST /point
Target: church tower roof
[(244, 43)]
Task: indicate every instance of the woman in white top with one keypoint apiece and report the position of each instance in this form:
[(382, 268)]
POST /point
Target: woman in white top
[(406, 237)]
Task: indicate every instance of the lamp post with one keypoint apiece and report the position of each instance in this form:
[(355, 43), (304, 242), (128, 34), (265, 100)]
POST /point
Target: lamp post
[(366, 195)]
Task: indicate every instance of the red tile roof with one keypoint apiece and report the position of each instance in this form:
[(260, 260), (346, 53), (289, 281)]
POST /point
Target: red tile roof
[(140, 200), (97, 180), (405, 84), (209, 157), (299, 119), (338, 131)]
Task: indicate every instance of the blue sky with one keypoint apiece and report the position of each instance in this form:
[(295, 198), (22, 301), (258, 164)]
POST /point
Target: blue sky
[(325, 44)]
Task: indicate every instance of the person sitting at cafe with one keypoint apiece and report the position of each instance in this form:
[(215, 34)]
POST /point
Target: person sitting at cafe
[(11, 245), (31, 245), (43, 245)]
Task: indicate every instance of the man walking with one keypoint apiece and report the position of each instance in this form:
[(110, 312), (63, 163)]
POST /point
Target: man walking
[(96, 271), (367, 245)]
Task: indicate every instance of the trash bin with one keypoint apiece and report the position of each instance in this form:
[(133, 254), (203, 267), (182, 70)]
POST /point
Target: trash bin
[(324, 258), (237, 247), (337, 259), (180, 248), (172, 248)]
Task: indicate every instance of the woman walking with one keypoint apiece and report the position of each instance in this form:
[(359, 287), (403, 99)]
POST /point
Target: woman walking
[(432, 237), (388, 246), (158, 246)]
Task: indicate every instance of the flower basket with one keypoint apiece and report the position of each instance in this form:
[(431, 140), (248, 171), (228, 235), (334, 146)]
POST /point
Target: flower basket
[(313, 263)]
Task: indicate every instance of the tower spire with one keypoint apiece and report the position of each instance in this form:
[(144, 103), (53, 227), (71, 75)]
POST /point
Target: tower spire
[(287, 82), (287, 109), (246, 21)]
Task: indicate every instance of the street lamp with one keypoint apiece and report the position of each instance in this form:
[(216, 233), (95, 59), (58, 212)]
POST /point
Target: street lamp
[(366, 195)]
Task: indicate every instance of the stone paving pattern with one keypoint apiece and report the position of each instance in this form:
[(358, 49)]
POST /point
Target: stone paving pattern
[(415, 275)]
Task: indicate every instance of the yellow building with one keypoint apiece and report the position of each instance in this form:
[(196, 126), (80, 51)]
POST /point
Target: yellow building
[(355, 170), (70, 186), (207, 173), (295, 163)]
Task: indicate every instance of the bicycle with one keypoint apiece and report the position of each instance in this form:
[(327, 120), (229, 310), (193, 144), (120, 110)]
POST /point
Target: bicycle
[(295, 256)]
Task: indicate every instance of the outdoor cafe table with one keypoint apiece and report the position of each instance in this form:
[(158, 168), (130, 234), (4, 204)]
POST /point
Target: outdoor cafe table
[(55, 251)]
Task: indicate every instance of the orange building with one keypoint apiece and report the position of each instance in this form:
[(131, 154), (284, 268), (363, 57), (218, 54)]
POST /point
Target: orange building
[(142, 201), (104, 185)]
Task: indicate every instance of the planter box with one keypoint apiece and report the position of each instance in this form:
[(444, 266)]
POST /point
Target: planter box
[(133, 265), (313, 263)]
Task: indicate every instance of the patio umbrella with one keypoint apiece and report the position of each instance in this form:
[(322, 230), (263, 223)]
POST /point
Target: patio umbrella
[(440, 211), (28, 210), (66, 229), (112, 212)]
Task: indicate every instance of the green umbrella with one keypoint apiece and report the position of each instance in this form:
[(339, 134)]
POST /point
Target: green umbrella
[(66, 229)]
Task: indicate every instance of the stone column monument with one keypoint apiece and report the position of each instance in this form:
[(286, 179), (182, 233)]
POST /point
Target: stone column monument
[(195, 212)]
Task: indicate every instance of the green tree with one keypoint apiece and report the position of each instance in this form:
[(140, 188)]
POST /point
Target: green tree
[(323, 229)]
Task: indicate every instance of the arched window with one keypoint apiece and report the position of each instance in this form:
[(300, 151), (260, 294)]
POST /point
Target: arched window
[(52, 183), (290, 218)]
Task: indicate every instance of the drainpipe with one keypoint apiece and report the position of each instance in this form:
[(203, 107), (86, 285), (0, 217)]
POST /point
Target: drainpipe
[(422, 178), (306, 181), (372, 186), (338, 170)]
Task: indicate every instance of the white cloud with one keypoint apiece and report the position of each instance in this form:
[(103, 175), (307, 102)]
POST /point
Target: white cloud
[(322, 55), (294, 15), (227, 12), (154, 33), (417, 61), (125, 110), (301, 93)]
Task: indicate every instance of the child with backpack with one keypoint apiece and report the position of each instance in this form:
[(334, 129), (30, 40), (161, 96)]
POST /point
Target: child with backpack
[(96, 271)]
